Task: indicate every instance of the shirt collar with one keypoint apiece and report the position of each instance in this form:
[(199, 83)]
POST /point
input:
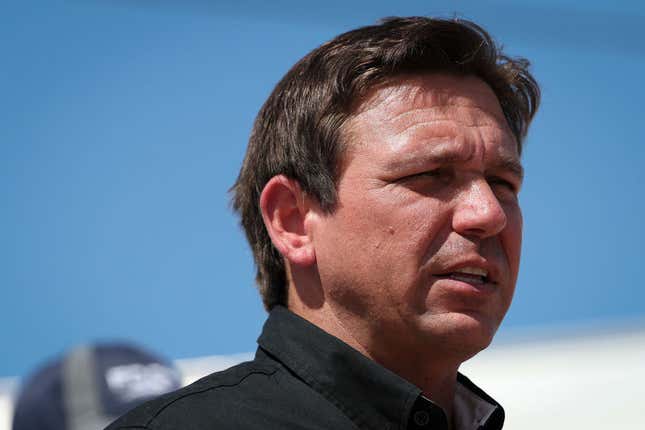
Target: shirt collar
[(474, 409), (369, 394)]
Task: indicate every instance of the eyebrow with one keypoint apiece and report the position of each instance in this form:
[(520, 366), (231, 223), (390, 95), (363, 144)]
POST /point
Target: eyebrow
[(450, 156), (511, 165), (442, 153)]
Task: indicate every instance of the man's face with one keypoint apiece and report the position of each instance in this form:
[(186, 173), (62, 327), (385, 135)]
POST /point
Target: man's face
[(423, 249)]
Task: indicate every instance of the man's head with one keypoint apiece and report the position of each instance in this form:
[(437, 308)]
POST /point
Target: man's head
[(423, 246), (302, 130)]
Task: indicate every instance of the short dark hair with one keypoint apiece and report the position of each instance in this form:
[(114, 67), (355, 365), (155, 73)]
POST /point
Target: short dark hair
[(298, 131)]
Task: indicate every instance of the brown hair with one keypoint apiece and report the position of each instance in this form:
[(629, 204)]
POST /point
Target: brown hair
[(298, 131)]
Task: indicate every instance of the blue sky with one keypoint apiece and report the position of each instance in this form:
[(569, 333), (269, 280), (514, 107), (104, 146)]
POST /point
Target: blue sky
[(123, 124)]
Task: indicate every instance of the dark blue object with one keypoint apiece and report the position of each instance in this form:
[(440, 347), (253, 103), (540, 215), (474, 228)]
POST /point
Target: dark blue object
[(91, 386)]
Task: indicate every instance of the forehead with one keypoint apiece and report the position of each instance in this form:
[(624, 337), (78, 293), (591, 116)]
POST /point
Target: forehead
[(426, 108)]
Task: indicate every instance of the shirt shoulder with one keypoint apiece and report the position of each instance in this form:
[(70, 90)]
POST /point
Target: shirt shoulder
[(255, 395), (201, 402)]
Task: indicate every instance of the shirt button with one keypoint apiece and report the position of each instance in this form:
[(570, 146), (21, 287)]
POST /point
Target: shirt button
[(421, 418)]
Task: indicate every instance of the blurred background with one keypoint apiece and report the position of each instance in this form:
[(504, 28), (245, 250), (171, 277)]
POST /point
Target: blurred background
[(123, 124)]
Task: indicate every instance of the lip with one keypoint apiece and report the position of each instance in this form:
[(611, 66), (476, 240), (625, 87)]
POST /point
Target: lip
[(473, 290), (492, 270)]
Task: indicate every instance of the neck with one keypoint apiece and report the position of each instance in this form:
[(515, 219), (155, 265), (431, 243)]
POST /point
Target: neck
[(441, 390), (432, 370), (435, 377)]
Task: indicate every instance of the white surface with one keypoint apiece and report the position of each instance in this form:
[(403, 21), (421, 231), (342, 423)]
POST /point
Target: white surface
[(577, 382), (8, 387), (194, 368), (573, 383)]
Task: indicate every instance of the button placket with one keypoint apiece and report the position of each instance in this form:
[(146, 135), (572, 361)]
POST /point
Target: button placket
[(426, 415), (421, 418)]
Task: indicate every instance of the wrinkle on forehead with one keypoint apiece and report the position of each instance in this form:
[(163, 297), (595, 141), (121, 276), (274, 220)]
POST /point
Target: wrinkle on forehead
[(436, 105), (453, 118), (433, 90)]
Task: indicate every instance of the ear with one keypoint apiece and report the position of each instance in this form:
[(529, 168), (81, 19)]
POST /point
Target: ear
[(284, 209)]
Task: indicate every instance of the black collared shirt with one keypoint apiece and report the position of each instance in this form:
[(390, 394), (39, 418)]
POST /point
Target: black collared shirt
[(304, 378)]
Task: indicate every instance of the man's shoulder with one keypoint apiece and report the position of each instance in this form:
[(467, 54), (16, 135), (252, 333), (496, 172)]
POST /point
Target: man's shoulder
[(202, 402)]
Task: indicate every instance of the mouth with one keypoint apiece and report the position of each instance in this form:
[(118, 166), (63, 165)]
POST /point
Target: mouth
[(469, 274)]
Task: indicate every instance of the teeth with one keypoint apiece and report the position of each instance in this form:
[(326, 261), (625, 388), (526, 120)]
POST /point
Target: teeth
[(473, 271), (467, 278)]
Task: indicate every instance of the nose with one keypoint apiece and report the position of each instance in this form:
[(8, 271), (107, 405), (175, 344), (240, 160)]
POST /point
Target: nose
[(478, 212)]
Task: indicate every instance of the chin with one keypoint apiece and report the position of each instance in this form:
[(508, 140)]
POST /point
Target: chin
[(461, 333), (477, 331)]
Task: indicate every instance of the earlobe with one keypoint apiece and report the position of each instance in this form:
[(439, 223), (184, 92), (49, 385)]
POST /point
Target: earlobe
[(284, 210)]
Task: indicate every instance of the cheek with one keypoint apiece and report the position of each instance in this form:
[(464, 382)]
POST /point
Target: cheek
[(428, 227), (391, 229), (512, 237)]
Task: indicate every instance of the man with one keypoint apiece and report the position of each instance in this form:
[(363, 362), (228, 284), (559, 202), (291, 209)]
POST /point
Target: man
[(379, 194)]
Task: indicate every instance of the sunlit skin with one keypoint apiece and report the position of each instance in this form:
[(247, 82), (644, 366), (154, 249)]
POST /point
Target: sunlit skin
[(429, 185)]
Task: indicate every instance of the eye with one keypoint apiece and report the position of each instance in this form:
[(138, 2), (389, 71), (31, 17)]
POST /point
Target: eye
[(498, 183), (442, 174)]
